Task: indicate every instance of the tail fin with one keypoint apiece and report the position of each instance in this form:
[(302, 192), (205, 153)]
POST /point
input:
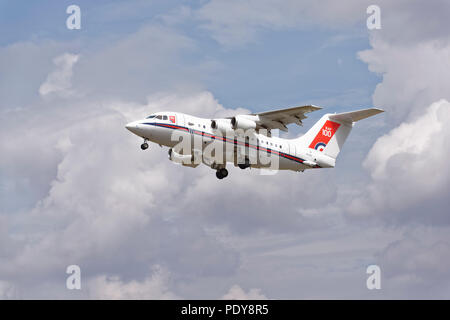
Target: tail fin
[(330, 132)]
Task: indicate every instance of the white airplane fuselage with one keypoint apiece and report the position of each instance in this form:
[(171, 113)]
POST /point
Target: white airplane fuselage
[(166, 131), (243, 140)]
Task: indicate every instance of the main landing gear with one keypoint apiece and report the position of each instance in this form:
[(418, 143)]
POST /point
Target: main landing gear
[(244, 165), (221, 173), (144, 146)]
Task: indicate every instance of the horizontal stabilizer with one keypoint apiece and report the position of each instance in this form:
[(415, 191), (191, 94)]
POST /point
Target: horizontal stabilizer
[(354, 116)]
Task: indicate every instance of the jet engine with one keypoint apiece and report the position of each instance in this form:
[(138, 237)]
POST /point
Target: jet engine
[(240, 122), (221, 125)]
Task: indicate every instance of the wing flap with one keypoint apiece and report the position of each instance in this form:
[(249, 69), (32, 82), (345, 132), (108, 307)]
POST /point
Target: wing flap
[(279, 119), (289, 111)]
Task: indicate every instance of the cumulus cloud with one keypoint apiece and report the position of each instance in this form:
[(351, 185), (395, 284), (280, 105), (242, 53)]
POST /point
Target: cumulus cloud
[(414, 76), (116, 209), (408, 168), (237, 293), (409, 178), (59, 80), (106, 194)]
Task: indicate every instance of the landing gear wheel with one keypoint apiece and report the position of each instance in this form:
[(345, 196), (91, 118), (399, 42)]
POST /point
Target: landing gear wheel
[(244, 165), (224, 172), (144, 146), (221, 173)]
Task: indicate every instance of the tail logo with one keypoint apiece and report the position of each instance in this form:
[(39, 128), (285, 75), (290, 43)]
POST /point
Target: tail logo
[(324, 135)]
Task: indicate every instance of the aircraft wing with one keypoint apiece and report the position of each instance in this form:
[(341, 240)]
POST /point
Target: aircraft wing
[(278, 119)]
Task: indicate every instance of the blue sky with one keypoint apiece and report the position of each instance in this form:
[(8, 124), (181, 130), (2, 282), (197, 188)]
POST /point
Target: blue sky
[(278, 68)]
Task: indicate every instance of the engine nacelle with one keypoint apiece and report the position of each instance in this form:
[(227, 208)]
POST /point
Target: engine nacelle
[(187, 160), (222, 125), (240, 122)]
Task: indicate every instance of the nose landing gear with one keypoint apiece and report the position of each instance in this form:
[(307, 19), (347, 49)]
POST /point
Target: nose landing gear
[(144, 146)]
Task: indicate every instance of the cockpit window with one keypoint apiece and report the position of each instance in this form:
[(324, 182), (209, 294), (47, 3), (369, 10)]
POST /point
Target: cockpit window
[(164, 117), (149, 117), (159, 117)]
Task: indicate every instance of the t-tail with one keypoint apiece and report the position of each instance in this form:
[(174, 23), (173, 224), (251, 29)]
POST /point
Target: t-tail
[(328, 135)]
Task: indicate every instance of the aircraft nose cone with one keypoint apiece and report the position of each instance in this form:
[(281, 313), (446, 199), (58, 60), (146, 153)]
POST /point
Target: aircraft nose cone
[(130, 125), (133, 127)]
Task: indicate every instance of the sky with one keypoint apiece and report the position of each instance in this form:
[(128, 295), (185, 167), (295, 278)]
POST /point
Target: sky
[(75, 188)]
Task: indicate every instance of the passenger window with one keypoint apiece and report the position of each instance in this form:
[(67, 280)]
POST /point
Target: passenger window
[(164, 117), (190, 123), (204, 127)]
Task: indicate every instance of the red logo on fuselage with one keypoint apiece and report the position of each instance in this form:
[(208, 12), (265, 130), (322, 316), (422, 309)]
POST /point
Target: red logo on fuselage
[(172, 119)]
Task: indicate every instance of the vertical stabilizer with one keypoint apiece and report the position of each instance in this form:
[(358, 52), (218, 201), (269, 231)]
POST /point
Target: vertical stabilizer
[(330, 132)]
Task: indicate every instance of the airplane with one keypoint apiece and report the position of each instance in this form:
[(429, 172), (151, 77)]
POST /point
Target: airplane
[(246, 140)]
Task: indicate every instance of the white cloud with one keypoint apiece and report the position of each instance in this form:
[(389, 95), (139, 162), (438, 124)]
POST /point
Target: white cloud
[(24, 67), (107, 196), (106, 193), (237, 293), (409, 175), (59, 80), (154, 286), (409, 167), (414, 76)]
